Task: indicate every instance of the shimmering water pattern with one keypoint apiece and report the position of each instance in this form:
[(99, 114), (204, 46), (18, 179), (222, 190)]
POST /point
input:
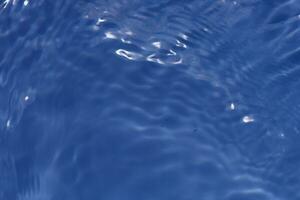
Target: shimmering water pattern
[(149, 100)]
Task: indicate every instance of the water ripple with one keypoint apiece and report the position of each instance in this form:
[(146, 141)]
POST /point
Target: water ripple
[(149, 100)]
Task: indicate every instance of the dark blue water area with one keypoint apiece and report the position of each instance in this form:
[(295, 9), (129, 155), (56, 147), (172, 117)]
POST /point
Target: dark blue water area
[(149, 100)]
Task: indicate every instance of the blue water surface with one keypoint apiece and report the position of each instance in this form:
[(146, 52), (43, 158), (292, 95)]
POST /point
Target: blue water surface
[(149, 100)]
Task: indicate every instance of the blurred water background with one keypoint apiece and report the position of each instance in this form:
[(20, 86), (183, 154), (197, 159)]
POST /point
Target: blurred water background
[(149, 100)]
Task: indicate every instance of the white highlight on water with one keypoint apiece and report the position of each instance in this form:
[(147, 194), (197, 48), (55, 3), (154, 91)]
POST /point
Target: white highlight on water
[(8, 123), (128, 32), (5, 3), (26, 2), (110, 35), (282, 135), (157, 44), (180, 44), (183, 36), (177, 62), (152, 58), (232, 106), (248, 119), (172, 53), (128, 54), (100, 20), (125, 41)]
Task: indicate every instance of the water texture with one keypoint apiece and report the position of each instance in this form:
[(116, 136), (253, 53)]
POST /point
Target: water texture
[(149, 100)]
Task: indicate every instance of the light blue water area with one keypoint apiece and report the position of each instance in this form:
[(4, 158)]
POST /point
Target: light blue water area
[(149, 100)]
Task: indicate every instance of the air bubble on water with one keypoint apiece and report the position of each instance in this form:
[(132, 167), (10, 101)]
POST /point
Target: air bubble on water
[(26, 2), (282, 135), (248, 119), (232, 106), (8, 123), (26, 98)]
